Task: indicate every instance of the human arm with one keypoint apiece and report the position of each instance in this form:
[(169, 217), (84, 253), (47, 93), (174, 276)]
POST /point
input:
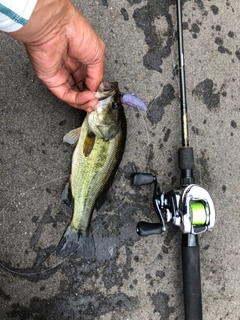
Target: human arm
[(64, 50)]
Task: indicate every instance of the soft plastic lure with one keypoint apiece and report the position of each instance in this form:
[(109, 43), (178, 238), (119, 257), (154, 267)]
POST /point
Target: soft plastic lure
[(133, 101)]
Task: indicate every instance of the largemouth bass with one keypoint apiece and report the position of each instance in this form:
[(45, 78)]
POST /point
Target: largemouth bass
[(98, 153)]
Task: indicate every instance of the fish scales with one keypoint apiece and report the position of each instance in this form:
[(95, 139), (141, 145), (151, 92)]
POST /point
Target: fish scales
[(95, 160), (91, 172)]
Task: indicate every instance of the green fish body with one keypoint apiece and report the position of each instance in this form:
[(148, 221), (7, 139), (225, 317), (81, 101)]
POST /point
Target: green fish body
[(98, 153)]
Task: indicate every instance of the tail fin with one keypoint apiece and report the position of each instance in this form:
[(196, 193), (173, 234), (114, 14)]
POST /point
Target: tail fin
[(73, 240)]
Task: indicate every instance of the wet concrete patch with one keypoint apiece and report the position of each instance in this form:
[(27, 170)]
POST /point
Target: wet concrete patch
[(85, 306), (156, 110), (124, 14), (159, 44), (104, 3), (159, 300), (205, 91), (214, 9)]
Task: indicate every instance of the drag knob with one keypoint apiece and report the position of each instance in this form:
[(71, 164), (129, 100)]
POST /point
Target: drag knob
[(145, 229)]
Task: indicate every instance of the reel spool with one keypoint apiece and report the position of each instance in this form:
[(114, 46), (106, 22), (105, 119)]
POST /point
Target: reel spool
[(198, 214), (196, 209)]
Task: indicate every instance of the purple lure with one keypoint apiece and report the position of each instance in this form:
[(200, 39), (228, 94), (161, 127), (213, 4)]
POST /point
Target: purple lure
[(133, 101)]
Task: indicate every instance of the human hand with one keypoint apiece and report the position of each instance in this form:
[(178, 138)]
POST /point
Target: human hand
[(65, 52)]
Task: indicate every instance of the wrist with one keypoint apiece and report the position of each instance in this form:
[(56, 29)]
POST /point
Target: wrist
[(47, 19)]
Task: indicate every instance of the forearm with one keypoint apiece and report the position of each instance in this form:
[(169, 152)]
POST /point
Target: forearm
[(47, 19)]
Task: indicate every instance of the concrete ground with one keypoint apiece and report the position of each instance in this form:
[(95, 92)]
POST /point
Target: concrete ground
[(131, 277)]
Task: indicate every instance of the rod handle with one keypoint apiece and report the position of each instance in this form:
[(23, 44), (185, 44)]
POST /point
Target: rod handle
[(191, 277), (186, 165), (185, 158)]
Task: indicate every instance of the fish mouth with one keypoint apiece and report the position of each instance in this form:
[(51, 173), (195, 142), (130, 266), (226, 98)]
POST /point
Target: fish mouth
[(105, 90), (108, 86)]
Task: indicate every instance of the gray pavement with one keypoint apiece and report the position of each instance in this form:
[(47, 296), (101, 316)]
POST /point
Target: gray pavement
[(131, 277)]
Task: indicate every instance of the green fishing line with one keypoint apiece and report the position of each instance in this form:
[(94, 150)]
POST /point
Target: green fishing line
[(198, 213)]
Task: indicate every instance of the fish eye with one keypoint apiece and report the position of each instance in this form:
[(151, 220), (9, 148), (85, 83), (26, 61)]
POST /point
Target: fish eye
[(115, 104)]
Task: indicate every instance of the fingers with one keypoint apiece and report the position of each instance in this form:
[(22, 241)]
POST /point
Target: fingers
[(81, 100), (92, 69), (94, 76), (95, 70)]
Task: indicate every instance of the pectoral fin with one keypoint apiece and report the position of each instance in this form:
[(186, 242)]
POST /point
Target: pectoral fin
[(72, 136)]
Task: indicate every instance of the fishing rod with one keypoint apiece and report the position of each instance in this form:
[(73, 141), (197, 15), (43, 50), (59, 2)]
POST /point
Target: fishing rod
[(189, 207)]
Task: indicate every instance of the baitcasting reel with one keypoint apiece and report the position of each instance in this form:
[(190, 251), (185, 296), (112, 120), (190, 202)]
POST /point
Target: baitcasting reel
[(189, 207)]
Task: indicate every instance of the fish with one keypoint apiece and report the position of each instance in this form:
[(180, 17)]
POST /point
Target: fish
[(100, 144), (133, 101)]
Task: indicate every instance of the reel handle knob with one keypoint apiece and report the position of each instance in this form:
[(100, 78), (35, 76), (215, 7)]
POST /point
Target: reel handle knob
[(145, 229), (139, 179)]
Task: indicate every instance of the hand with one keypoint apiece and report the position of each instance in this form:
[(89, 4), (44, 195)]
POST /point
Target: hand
[(65, 52)]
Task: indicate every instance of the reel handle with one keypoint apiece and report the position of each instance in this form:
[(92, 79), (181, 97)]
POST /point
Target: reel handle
[(145, 229), (191, 277), (140, 179)]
